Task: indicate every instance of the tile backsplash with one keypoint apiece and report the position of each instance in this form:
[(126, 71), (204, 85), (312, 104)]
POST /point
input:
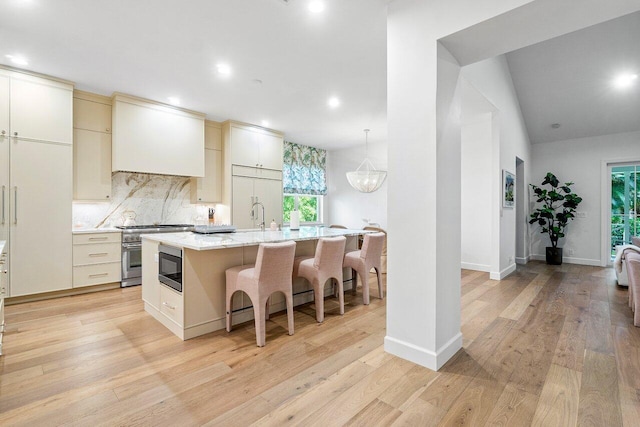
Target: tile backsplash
[(155, 199)]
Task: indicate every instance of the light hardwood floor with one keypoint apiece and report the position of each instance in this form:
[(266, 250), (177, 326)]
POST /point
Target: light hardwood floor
[(547, 346)]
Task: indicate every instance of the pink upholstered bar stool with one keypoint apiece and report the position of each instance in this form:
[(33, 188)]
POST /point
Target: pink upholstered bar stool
[(364, 260), (632, 261), (271, 273), (325, 265)]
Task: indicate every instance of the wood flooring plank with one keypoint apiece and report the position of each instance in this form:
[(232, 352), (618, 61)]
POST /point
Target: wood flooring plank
[(599, 400), (514, 408), (599, 329), (558, 403), (422, 414), (376, 413), (515, 310)]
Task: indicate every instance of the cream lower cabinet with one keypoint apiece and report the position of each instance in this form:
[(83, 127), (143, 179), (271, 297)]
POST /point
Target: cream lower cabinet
[(96, 259)]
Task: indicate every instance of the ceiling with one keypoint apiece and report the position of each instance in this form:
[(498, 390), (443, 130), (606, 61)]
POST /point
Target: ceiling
[(568, 80), (286, 61)]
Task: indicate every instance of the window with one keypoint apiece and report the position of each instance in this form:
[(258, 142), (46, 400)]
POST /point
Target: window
[(625, 199), (310, 207), (304, 182)]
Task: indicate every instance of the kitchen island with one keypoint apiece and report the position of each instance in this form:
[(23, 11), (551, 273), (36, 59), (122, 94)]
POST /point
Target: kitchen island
[(200, 307)]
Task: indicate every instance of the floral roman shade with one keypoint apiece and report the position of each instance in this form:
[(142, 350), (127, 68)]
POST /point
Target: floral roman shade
[(304, 169)]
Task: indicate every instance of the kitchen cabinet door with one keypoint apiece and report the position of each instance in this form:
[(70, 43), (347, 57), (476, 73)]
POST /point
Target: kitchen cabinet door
[(41, 110), (91, 165), (40, 216), (4, 157), (91, 115), (243, 198), (271, 151), (5, 93), (244, 147), (269, 192), (209, 188)]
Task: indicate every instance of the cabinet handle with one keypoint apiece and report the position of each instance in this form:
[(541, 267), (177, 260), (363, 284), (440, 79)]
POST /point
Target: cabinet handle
[(168, 306), (3, 133), (108, 196), (3, 203), (107, 130), (98, 238), (99, 254), (99, 275), (15, 134), (15, 204)]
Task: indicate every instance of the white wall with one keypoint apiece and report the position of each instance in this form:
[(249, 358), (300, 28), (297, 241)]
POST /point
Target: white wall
[(492, 79), (476, 192), (347, 206), (580, 161)]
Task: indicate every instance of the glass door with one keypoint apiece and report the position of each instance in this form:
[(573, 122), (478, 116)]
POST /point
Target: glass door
[(625, 201)]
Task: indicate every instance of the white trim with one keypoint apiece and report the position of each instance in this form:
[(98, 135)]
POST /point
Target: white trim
[(523, 260), (494, 275), (476, 267), (571, 260), (421, 355)]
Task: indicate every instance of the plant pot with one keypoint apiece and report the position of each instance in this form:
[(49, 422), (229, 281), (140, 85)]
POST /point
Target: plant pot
[(554, 255)]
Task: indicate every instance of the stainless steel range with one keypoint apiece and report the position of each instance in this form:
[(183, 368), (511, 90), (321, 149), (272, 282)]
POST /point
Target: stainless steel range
[(132, 248)]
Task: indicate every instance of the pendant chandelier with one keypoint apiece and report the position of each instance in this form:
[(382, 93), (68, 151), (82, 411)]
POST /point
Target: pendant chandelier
[(366, 178)]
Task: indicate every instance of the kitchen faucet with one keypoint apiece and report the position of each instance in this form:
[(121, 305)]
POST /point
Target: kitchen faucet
[(253, 206)]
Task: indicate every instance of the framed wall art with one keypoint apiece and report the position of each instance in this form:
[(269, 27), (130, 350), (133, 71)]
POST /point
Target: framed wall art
[(508, 189)]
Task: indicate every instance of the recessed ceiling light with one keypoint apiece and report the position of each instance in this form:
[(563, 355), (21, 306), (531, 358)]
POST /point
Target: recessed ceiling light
[(333, 102), (173, 100), (625, 80), (316, 6), (18, 60), (223, 69), (265, 123)]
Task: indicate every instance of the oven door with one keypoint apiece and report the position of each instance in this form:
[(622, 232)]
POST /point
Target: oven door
[(131, 264)]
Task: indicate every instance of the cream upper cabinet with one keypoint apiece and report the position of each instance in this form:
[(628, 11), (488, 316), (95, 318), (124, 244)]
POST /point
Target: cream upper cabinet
[(40, 109), (208, 189), (253, 146), (150, 137), (4, 106), (91, 165), (91, 112), (91, 147)]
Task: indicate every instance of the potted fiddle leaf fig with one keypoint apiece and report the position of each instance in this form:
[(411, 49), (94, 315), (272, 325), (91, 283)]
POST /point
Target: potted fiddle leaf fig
[(558, 206)]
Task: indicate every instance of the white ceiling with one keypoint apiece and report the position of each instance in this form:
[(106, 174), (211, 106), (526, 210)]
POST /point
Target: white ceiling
[(161, 48), (568, 80)]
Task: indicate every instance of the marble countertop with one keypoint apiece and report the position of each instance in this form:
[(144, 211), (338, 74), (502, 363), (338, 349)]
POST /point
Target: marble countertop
[(95, 230), (204, 242)]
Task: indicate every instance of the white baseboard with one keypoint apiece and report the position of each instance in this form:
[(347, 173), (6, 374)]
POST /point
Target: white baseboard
[(475, 267), (495, 275), (570, 260), (523, 260), (422, 356)]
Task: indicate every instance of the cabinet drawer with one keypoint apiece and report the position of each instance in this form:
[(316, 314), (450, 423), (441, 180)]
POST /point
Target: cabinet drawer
[(171, 304), (96, 253), (81, 239), (87, 275)]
